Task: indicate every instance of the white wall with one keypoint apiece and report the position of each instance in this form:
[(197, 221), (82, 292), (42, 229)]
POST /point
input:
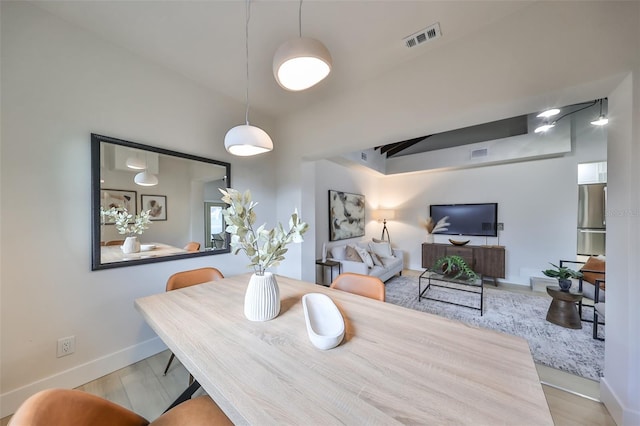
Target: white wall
[(60, 84)]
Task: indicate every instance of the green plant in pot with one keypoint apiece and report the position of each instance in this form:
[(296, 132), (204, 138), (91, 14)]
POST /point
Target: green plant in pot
[(455, 267), (563, 275)]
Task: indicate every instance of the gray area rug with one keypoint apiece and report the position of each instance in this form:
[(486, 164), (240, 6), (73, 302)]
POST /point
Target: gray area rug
[(573, 351)]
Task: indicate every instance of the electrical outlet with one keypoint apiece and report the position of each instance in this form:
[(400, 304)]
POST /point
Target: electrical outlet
[(66, 346)]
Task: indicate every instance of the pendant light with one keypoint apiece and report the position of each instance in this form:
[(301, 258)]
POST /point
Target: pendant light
[(145, 179), (302, 62), (245, 140), (602, 119)]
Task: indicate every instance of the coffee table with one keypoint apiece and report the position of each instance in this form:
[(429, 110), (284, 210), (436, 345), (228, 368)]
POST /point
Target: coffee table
[(436, 279), (563, 310)]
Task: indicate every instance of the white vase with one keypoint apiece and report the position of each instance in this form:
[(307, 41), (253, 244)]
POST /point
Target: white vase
[(130, 245), (262, 299), (429, 238)]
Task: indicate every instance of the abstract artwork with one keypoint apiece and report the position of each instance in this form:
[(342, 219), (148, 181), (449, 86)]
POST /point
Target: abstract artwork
[(346, 215), (157, 206)]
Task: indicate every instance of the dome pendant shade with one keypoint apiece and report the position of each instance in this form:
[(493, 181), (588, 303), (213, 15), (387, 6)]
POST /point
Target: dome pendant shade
[(136, 163), (246, 140), (301, 63), (145, 179), (601, 121)]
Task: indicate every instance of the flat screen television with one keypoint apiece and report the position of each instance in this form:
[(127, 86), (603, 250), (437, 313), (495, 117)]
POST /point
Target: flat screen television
[(467, 219)]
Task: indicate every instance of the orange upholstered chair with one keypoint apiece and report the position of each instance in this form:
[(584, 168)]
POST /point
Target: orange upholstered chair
[(364, 285), (64, 407), (187, 279), (192, 246)]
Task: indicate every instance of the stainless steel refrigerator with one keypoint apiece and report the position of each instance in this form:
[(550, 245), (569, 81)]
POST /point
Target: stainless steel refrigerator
[(592, 206)]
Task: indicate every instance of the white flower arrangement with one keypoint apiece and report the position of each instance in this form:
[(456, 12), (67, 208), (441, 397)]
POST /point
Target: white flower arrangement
[(265, 248), (123, 219)]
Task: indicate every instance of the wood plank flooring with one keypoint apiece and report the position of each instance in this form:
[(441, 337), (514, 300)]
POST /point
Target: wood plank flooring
[(141, 387)]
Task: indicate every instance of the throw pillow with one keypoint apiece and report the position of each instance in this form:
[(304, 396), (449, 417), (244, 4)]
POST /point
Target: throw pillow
[(381, 249), (366, 257), (339, 252), (594, 264), (352, 254), (376, 259)]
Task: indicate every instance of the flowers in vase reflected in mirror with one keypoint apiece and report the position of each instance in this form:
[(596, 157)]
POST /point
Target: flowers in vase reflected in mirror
[(125, 222), (263, 247)]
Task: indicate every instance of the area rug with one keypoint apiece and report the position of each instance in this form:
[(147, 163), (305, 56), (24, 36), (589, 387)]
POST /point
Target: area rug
[(573, 351)]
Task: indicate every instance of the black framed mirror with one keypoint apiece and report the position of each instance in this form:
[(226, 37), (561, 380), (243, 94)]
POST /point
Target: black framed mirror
[(151, 204)]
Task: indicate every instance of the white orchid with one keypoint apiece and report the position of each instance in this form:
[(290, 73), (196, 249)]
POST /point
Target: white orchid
[(265, 248)]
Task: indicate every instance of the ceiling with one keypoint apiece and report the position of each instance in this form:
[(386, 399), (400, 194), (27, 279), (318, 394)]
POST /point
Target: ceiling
[(204, 40)]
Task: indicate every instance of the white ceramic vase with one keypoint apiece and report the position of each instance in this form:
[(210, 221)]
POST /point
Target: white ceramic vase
[(262, 299), (131, 245), (429, 238)]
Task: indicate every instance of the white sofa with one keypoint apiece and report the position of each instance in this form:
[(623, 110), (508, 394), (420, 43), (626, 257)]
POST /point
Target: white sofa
[(384, 268)]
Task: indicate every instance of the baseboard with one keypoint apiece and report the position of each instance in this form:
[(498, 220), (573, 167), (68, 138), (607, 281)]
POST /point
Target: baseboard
[(81, 374), (621, 415)]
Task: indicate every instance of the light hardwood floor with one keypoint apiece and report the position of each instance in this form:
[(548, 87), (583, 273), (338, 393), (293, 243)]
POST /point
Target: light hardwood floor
[(141, 387)]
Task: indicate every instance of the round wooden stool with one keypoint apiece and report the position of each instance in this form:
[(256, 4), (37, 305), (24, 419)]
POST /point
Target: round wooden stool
[(563, 310)]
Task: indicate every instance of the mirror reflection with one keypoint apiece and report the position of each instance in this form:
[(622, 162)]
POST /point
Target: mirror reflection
[(151, 204)]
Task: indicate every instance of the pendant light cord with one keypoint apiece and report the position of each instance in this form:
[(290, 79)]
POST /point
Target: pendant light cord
[(300, 19), (246, 49)]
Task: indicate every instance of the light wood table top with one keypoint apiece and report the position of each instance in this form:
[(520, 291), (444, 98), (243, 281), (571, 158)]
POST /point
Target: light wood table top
[(110, 254), (394, 366)]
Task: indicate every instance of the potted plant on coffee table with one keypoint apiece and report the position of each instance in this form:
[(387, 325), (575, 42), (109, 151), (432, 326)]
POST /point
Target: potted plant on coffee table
[(454, 266), (563, 275)]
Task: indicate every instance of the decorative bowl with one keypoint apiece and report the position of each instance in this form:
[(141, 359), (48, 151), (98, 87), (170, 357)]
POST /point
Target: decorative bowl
[(458, 243), (325, 324)]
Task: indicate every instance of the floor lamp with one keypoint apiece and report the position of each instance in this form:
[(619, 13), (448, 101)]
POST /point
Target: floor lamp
[(384, 215)]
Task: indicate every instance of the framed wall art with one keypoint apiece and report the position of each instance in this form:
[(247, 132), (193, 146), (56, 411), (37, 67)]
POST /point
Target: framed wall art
[(346, 215), (157, 206), (120, 199)]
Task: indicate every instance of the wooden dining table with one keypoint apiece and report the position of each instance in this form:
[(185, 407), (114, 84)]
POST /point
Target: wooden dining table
[(110, 254), (394, 366)]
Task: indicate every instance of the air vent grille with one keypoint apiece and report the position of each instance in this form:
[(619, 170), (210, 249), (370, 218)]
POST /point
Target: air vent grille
[(479, 153), (432, 32)]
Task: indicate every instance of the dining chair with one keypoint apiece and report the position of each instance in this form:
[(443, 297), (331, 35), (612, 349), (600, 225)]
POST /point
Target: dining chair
[(363, 285), (114, 243), (192, 246), (186, 279), (63, 407)]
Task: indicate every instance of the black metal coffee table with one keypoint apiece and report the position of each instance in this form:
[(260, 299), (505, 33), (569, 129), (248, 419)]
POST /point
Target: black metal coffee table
[(435, 279)]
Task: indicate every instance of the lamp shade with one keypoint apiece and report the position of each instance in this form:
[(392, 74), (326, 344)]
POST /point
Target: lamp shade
[(301, 63), (136, 163), (246, 140), (146, 179), (383, 214), (601, 121)]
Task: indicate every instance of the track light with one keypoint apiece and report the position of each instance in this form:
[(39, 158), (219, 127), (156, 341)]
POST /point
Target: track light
[(549, 113), (602, 119), (301, 63), (245, 140)]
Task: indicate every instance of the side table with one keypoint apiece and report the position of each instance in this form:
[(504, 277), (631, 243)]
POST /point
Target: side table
[(563, 310), (329, 264)]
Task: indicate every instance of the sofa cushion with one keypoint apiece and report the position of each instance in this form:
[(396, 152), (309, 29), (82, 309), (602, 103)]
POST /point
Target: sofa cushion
[(382, 249), (391, 262), (594, 264), (365, 256), (352, 254), (339, 252)]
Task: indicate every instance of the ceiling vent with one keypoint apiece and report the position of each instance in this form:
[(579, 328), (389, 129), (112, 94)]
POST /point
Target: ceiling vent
[(432, 32), (479, 153)]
